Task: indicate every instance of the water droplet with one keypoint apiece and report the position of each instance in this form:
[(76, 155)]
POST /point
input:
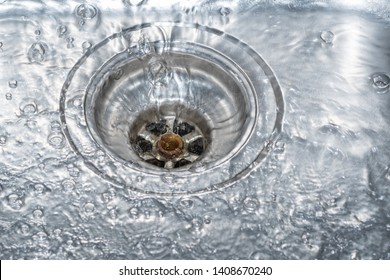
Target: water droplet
[(133, 2), (327, 37), (8, 96), (86, 11), (157, 246), (187, 203), (28, 107), (37, 214), (250, 204), (118, 73), (196, 224), (68, 185), (56, 139), (113, 213), (89, 208), (134, 213), (73, 171), (37, 52), (70, 41), (15, 202), (224, 11), (86, 46), (207, 219), (61, 31), (55, 126), (157, 72), (3, 140), (39, 189), (168, 178), (143, 46), (380, 82), (13, 83)]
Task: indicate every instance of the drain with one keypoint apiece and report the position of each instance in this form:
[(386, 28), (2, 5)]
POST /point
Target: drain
[(168, 143), (189, 112)]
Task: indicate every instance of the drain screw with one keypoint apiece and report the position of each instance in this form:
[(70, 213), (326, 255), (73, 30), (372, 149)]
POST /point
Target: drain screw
[(170, 145)]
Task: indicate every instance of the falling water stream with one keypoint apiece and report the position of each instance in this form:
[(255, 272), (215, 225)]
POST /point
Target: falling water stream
[(194, 129)]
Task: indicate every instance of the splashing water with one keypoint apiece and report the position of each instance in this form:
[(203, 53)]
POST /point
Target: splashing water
[(289, 100)]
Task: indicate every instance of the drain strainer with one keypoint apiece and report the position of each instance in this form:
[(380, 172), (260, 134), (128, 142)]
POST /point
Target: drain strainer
[(171, 109)]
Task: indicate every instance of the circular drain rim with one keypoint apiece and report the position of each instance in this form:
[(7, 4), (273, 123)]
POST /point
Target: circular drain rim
[(129, 174)]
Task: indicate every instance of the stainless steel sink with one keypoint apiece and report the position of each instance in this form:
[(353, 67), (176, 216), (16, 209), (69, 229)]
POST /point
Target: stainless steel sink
[(194, 129)]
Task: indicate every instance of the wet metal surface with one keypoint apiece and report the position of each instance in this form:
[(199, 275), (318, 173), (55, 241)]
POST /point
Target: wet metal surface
[(289, 101)]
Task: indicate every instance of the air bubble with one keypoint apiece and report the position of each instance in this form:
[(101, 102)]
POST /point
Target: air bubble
[(37, 52), (15, 202), (224, 11), (157, 72), (327, 37), (55, 126), (56, 139), (380, 82), (39, 189), (28, 107), (37, 214), (61, 30), (118, 73), (134, 213), (86, 45), (89, 208), (197, 224), (113, 213), (250, 204), (207, 219), (187, 203), (68, 185), (3, 140), (37, 32), (13, 83), (168, 178), (70, 41), (86, 11), (8, 96), (1, 45)]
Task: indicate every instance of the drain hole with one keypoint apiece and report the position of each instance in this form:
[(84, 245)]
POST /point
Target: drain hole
[(168, 143), (157, 128)]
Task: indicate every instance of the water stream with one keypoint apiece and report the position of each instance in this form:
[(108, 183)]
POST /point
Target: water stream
[(289, 98)]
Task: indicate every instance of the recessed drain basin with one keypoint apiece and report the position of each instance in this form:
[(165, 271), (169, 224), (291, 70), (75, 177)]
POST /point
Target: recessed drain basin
[(171, 109)]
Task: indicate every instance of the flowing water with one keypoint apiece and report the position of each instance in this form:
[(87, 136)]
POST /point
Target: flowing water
[(278, 111)]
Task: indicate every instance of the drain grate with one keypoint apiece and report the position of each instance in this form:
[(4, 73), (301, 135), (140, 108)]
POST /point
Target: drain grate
[(169, 143)]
